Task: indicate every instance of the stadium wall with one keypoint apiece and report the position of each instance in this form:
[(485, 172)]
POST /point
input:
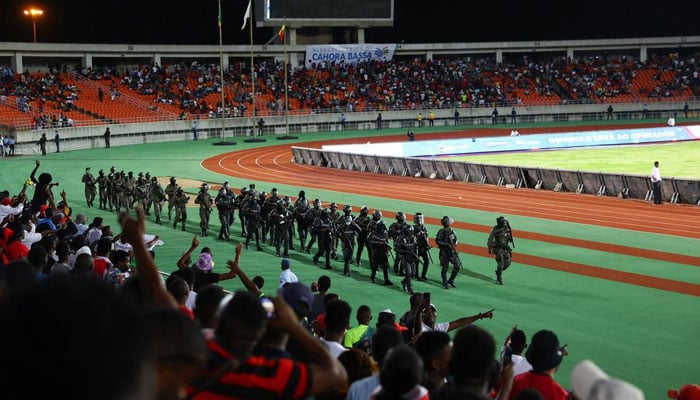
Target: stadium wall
[(685, 191)]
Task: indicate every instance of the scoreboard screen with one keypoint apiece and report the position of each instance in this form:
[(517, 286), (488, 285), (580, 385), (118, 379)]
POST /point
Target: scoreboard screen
[(300, 13)]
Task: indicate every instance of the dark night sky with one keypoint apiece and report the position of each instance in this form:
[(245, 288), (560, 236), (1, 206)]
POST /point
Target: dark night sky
[(194, 21)]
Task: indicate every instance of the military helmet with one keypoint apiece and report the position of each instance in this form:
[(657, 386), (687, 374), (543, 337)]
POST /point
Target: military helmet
[(317, 203), (225, 185), (273, 191), (377, 215), (280, 203), (333, 206), (347, 209), (148, 175), (251, 186), (364, 210), (204, 187), (400, 216), (154, 179), (244, 190), (287, 200), (172, 179), (407, 229), (419, 218), (501, 220), (446, 221), (302, 193), (101, 172)]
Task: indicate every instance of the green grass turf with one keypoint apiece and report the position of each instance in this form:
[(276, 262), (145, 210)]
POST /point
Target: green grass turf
[(642, 335), (679, 159)]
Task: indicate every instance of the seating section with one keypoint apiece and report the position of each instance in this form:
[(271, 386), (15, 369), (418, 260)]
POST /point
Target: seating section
[(152, 92)]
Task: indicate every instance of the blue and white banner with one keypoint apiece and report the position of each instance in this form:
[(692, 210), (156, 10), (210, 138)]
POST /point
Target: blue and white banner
[(437, 148), (348, 53)]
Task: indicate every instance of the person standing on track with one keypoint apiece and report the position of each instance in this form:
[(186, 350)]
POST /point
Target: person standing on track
[(656, 183)]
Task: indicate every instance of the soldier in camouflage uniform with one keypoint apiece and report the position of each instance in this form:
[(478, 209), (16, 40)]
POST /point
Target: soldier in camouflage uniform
[(170, 191), (180, 204), (102, 185), (90, 186), (499, 238), (156, 194), (206, 202)]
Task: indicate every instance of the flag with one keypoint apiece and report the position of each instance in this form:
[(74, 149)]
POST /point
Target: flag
[(280, 34), (246, 16)]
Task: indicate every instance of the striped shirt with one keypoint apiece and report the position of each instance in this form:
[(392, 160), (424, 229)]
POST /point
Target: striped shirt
[(259, 378)]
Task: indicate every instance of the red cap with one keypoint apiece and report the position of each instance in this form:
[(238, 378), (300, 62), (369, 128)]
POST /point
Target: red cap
[(6, 201), (686, 392)]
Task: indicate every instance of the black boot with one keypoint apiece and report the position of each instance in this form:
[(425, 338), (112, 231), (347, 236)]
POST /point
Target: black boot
[(443, 275)]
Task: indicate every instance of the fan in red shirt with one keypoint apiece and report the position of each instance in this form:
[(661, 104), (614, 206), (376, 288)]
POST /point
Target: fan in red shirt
[(545, 355)]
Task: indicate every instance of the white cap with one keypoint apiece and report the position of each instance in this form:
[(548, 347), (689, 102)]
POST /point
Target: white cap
[(589, 382), (83, 250)]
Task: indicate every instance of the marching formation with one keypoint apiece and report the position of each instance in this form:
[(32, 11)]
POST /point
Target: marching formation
[(270, 219)]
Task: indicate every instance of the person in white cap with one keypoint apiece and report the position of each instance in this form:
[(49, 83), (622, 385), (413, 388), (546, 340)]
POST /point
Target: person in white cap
[(589, 382)]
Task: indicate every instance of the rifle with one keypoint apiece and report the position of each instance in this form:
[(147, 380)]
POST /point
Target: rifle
[(510, 234), (455, 256)]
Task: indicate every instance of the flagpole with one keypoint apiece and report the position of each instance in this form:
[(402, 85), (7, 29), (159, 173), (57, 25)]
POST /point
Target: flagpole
[(252, 70), (286, 95), (221, 67)]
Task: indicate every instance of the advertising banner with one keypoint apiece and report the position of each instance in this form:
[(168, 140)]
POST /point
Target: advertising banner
[(348, 53)]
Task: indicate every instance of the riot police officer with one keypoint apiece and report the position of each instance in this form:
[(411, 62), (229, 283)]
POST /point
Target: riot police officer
[(395, 230), (406, 246), (446, 240), (346, 231), (371, 227), (498, 244), (224, 202), (311, 216), (206, 202), (252, 218), (379, 243), (301, 208), (279, 220), (423, 250), (269, 204), (362, 222), (241, 202), (323, 230)]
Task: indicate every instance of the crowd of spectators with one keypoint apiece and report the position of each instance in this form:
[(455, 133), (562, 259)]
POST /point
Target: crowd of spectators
[(401, 84)]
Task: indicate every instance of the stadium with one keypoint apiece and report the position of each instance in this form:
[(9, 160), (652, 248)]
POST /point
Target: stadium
[(595, 261)]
